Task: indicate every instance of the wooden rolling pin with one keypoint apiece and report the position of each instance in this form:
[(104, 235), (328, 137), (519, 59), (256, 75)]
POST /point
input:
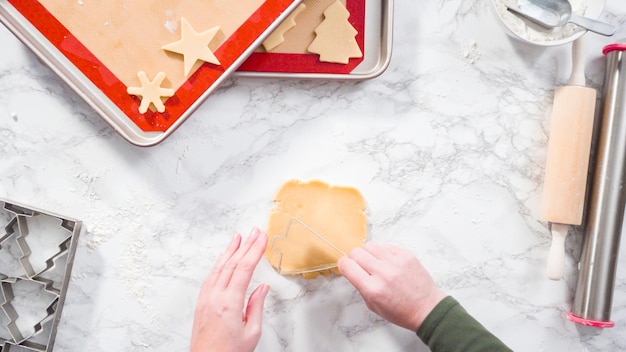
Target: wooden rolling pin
[(567, 161)]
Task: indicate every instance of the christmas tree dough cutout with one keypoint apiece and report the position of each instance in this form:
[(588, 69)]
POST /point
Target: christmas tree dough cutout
[(335, 36), (150, 92), (277, 36), (312, 225), (193, 46)]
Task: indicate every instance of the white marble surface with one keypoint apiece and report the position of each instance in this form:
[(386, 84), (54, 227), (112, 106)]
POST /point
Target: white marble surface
[(447, 146)]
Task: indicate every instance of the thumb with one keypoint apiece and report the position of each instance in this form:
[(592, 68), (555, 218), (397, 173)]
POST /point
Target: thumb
[(254, 310)]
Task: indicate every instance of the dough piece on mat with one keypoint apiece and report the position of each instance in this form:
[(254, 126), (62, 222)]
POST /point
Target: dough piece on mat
[(193, 46), (150, 92), (298, 39), (277, 36), (128, 36), (335, 213), (334, 40)]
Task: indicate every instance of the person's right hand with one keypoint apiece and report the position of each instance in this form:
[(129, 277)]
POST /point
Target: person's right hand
[(393, 283)]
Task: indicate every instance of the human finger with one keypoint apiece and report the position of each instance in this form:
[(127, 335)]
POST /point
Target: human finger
[(254, 310), (380, 251), (393, 249), (365, 260), (232, 247), (232, 263), (245, 268), (354, 273)]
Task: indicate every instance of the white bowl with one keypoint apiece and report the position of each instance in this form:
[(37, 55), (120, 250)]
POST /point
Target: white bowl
[(529, 32)]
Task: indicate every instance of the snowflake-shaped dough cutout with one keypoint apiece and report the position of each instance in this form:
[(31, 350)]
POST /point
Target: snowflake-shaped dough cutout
[(150, 92), (193, 46)]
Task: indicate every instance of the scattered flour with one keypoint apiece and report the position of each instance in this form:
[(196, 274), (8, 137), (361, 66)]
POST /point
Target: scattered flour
[(171, 26), (136, 274), (97, 236), (89, 179), (470, 52), (535, 33)]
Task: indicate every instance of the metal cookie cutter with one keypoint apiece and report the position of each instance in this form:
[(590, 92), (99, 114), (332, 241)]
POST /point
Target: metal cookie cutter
[(292, 225), (37, 251)]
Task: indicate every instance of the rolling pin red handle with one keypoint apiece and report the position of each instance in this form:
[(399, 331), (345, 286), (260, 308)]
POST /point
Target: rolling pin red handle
[(587, 322)]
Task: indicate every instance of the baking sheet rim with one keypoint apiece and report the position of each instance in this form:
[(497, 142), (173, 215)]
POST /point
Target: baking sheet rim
[(15, 22)]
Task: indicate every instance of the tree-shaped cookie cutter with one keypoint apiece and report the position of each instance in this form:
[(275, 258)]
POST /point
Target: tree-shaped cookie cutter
[(17, 228), (281, 270), (17, 337)]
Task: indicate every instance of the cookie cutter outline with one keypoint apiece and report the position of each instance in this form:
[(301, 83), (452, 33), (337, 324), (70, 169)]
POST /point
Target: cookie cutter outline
[(67, 248), (18, 338), (8, 233), (26, 251), (317, 268)]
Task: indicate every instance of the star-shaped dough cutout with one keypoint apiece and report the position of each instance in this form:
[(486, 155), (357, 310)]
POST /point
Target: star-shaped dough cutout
[(193, 46), (150, 92)]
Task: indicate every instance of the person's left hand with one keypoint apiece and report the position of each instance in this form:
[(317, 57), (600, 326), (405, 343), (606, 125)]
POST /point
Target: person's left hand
[(220, 322)]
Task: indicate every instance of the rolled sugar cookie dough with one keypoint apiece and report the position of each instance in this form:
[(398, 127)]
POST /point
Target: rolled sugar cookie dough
[(335, 213)]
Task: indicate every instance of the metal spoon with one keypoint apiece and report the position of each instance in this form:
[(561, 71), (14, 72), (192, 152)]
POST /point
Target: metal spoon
[(555, 13)]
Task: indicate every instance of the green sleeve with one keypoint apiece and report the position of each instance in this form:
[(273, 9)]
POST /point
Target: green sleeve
[(450, 328)]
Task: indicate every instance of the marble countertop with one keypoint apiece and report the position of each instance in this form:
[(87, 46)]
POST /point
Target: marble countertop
[(447, 146)]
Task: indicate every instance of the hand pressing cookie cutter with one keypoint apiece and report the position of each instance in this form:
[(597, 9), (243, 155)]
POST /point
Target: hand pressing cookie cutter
[(17, 228), (321, 267)]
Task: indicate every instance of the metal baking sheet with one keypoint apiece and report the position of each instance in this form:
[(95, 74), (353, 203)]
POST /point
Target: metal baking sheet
[(121, 112), (377, 52)]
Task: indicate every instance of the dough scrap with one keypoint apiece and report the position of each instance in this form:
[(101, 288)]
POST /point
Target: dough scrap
[(150, 92), (193, 46), (335, 36), (335, 213), (277, 36)]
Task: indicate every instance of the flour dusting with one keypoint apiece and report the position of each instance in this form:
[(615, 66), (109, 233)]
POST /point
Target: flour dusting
[(470, 52), (171, 26)]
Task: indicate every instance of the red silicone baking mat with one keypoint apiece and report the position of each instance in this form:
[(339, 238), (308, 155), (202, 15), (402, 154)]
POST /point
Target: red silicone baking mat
[(61, 49), (270, 62)]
